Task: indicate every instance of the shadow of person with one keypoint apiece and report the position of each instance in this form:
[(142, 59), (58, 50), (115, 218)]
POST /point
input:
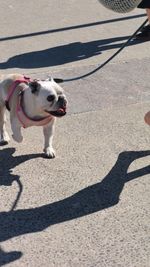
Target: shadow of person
[(63, 54), (7, 257), (7, 163), (94, 198)]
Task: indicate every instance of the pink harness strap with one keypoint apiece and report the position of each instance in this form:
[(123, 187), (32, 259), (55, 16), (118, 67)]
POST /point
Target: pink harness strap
[(28, 122), (12, 89), (22, 117)]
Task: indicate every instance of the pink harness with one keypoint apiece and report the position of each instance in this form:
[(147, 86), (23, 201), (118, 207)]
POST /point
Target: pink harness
[(22, 117)]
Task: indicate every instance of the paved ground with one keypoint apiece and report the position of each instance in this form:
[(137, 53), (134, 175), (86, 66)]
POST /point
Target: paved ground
[(89, 206)]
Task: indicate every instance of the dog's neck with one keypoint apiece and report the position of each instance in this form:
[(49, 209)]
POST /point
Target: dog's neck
[(30, 106)]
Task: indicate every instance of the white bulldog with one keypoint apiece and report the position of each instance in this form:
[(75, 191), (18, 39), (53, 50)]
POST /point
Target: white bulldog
[(31, 103)]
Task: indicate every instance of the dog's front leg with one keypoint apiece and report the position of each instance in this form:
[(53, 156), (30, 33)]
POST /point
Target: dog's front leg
[(4, 137), (16, 129), (48, 137)]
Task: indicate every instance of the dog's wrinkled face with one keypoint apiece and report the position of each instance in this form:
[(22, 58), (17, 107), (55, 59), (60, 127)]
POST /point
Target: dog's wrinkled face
[(50, 97)]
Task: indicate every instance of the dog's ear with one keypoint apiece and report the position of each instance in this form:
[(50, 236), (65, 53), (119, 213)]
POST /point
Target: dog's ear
[(56, 80), (34, 85)]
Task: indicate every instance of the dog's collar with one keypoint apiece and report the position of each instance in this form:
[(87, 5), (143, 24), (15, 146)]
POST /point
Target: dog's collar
[(22, 117)]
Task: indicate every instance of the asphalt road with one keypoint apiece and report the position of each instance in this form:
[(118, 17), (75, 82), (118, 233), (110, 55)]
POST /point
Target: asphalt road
[(89, 206)]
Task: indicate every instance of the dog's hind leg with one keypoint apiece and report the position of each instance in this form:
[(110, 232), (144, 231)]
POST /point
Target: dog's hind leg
[(4, 137)]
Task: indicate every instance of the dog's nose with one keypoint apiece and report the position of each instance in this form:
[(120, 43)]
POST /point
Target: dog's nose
[(62, 101)]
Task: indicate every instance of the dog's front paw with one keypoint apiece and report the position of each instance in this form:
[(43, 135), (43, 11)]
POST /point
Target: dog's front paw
[(17, 138), (4, 139), (49, 152)]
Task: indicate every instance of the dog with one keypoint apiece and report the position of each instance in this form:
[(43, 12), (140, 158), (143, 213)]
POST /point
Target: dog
[(31, 103)]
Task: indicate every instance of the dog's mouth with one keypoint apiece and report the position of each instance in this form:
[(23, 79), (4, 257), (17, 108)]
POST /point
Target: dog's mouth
[(58, 113)]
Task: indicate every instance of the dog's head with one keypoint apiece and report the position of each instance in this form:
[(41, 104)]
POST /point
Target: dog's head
[(49, 96)]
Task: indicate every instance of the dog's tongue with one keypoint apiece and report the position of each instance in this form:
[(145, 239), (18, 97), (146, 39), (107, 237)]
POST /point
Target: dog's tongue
[(62, 110)]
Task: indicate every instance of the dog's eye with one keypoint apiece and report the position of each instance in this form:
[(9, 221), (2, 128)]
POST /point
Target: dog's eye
[(50, 98)]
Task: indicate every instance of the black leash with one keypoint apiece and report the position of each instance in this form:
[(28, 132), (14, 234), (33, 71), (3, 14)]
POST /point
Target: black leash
[(18, 195), (105, 62)]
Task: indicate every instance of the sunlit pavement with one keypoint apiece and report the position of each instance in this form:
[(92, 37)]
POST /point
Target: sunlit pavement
[(90, 205)]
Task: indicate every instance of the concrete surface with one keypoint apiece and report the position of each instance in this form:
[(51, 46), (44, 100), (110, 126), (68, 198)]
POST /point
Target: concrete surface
[(89, 206)]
